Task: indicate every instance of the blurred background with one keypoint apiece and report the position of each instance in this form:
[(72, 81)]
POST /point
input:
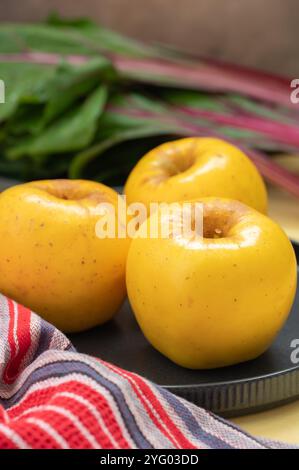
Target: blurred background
[(128, 104), (260, 33)]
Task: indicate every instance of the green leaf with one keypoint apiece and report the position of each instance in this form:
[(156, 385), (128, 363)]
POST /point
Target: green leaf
[(54, 19), (106, 39), (81, 160), (73, 131), (194, 99), (20, 79), (38, 37), (72, 82)]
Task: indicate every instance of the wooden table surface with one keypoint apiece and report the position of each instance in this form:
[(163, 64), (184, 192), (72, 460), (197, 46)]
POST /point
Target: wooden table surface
[(285, 210), (281, 423)]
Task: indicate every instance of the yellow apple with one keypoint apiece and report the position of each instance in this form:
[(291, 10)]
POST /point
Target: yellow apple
[(218, 299), (196, 167), (51, 259)]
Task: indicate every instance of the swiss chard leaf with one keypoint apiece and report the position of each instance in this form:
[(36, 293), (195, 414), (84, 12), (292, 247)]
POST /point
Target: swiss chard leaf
[(20, 80), (71, 132)]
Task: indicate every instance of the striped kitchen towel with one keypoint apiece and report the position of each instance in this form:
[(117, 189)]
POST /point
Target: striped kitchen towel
[(53, 397)]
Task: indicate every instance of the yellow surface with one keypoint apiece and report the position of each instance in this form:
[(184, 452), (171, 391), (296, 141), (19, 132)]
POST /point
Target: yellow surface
[(284, 208), (281, 423)]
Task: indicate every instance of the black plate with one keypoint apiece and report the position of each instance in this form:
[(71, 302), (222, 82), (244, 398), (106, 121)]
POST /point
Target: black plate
[(265, 382)]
